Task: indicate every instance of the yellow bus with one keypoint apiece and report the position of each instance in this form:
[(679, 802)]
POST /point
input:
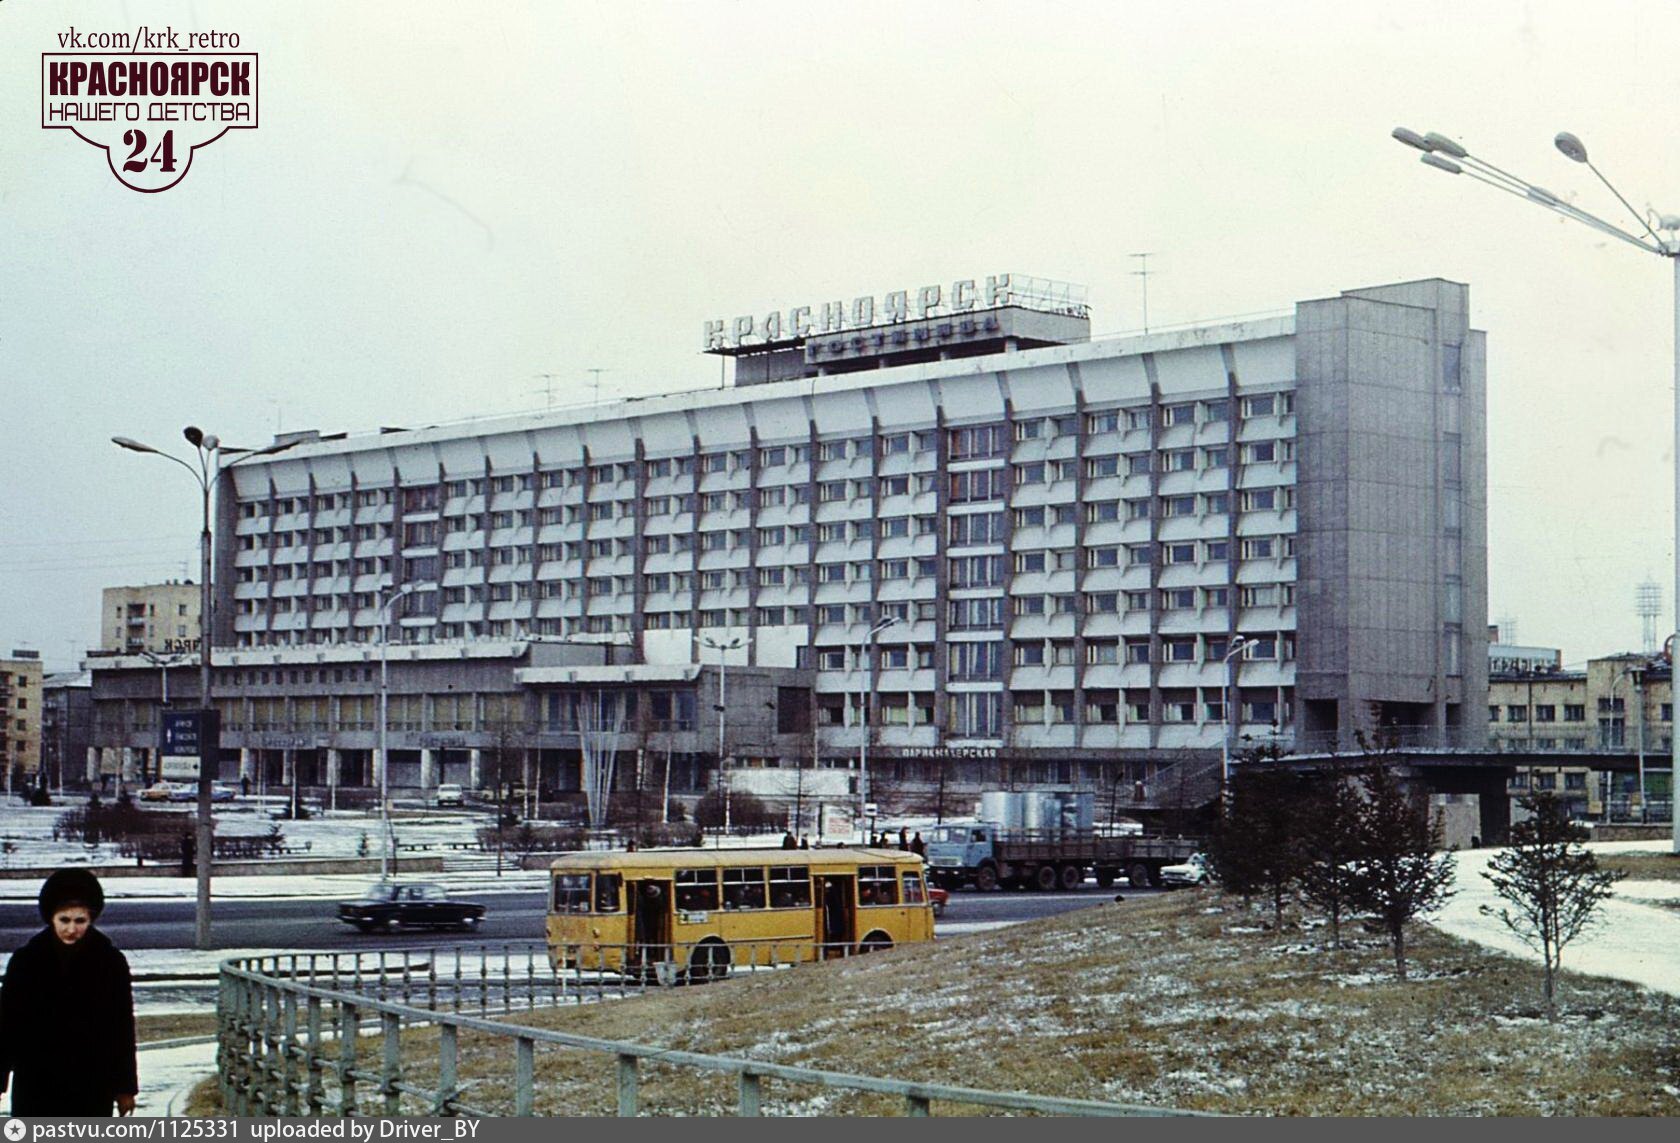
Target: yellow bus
[(689, 914)]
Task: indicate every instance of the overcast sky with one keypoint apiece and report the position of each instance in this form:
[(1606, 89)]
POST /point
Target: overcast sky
[(445, 203)]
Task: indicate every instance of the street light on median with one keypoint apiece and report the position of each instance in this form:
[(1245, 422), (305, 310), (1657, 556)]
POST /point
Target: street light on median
[(723, 650), (208, 472), (1237, 647), (863, 746), (1447, 155), (387, 844)]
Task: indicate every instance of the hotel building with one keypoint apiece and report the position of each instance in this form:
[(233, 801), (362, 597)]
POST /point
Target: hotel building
[(969, 531)]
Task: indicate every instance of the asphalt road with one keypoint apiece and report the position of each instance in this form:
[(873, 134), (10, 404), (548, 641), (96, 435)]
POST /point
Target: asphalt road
[(291, 924)]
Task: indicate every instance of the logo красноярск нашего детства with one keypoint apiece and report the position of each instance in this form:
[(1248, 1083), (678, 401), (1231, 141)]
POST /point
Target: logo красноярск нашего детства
[(148, 99)]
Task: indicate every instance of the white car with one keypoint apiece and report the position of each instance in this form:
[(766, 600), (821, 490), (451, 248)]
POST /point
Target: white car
[(449, 794), (1194, 871)]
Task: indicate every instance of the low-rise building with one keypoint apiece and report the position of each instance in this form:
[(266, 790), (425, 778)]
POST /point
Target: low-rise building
[(1619, 704), (66, 728)]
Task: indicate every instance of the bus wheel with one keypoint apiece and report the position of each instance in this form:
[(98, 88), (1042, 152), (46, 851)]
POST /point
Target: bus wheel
[(1072, 877), (876, 941), (986, 878), (1138, 875), (708, 961), (1045, 877), (1105, 878)]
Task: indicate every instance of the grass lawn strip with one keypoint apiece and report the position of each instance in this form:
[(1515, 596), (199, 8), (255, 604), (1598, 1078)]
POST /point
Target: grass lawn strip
[(1185, 1000)]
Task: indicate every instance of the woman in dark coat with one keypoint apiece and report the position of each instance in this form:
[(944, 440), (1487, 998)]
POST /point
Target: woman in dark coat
[(67, 1010)]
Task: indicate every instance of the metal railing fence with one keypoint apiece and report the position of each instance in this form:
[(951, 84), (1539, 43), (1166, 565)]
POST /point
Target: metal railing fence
[(291, 1031)]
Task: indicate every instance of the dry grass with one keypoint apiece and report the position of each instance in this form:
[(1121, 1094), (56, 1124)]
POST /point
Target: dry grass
[(174, 1027), (1177, 1001), (1643, 866)]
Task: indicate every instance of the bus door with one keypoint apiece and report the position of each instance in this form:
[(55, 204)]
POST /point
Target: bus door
[(649, 902), (836, 899)]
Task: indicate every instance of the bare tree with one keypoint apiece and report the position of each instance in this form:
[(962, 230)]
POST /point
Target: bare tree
[(600, 721), (1398, 875), (1551, 884)]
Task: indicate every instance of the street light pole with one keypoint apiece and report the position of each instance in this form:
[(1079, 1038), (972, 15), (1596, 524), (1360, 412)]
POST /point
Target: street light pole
[(163, 663), (386, 856), (1236, 648), (1448, 155), (863, 744), (723, 650), (209, 470)]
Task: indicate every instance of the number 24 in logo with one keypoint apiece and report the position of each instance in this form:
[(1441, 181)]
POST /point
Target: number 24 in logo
[(163, 154)]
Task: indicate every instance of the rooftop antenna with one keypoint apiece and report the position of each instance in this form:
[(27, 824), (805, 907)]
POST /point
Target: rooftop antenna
[(1647, 604), (1143, 272), (596, 375), (547, 387)]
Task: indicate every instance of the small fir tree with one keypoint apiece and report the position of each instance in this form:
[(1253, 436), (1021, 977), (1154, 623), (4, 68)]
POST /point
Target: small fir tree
[(1256, 843), (1552, 886), (1398, 875), (1331, 844)]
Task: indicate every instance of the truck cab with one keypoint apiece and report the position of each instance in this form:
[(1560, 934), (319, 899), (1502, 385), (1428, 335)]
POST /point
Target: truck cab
[(958, 850)]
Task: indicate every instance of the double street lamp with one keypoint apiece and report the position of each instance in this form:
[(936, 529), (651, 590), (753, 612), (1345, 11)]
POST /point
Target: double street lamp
[(723, 650), (1448, 155), (207, 472), (863, 743), (1237, 647), (387, 842)]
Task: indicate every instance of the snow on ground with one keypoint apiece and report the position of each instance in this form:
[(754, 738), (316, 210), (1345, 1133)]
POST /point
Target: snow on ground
[(167, 1076), (1636, 938)]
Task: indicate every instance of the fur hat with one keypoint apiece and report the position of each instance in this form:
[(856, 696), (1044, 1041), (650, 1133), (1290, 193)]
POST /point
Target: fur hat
[(71, 887)]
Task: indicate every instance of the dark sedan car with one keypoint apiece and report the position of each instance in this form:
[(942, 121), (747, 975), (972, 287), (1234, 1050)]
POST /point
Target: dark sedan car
[(391, 907)]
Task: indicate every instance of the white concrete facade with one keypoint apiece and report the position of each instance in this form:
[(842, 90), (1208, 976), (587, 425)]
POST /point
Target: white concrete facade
[(1066, 538)]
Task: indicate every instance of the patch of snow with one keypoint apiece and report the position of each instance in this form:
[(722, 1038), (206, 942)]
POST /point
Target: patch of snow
[(1631, 940)]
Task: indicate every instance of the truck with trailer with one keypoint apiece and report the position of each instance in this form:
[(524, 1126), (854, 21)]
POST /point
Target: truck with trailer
[(1046, 841)]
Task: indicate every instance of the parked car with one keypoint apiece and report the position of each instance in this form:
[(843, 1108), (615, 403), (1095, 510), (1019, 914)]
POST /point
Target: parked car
[(158, 792), (938, 896), (390, 906), (1194, 871), (222, 792), (449, 794)]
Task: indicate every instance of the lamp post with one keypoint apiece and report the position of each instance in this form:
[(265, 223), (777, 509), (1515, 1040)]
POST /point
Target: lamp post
[(1637, 674), (207, 473), (863, 743), (723, 650), (1238, 645), (163, 663), (386, 857), (1448, 155)]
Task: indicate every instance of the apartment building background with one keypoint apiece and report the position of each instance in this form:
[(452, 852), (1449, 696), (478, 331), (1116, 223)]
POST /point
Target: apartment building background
[(162, 618), (20, 717)]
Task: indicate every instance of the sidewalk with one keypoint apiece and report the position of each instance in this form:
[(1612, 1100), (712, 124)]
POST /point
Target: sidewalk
[(1636, 938)]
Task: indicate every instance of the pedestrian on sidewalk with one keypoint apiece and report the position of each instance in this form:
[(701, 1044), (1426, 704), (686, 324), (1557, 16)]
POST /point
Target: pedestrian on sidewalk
[(67, 1011)]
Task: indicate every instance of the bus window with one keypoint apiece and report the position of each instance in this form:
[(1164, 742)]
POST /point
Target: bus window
[(571, 893), (743, 888), (696, 890), (606, 892), (913, 894), (790, 887), (877, 885)]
